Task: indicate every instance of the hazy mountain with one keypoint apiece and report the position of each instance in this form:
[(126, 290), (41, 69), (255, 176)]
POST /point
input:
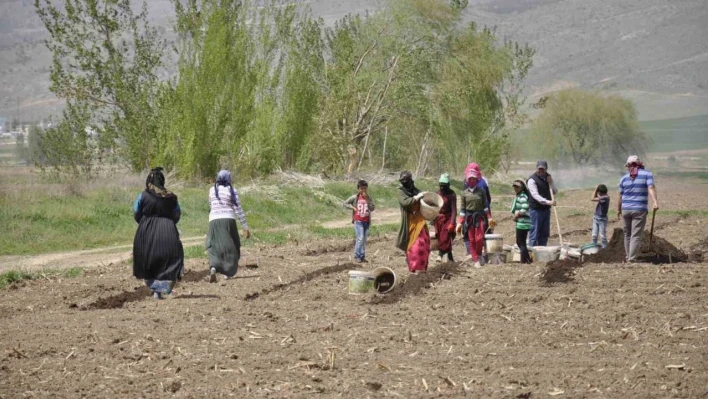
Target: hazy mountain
[(652, 51)]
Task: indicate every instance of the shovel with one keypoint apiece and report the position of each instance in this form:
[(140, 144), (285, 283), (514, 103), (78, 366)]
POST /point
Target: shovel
[(651, 230), (555, 212)]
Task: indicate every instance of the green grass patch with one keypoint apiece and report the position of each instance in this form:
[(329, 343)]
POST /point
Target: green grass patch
[(678, 134), (195, 251), (14, 276), (39, 218), (699, 175)]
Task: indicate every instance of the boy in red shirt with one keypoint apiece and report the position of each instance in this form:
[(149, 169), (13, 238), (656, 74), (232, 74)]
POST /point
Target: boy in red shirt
[(361, 205)]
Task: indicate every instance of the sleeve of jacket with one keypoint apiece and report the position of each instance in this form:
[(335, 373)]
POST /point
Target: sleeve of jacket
[(137, 208), (405, 201), (349, 202), (453, 205), (463, 205), (370, 203), (177, 213)]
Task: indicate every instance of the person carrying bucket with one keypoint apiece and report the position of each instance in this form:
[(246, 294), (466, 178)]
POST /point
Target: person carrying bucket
[(361, 205), (413, 236), (475, 216), (445, 222)]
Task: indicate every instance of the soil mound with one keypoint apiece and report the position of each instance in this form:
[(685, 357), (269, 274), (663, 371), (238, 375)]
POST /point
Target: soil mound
[(191, 276), (305, 277), (658, 251), (117, 301), (559, 271)]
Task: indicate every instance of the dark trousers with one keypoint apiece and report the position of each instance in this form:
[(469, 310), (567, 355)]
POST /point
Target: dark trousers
[(540, 227), (521, 243)]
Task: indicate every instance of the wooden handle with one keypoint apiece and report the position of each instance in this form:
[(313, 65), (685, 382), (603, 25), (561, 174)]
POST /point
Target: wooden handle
[(555, 212), (651, 231)]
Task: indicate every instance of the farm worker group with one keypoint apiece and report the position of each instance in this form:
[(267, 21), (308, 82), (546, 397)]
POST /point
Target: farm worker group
[(158, 255)]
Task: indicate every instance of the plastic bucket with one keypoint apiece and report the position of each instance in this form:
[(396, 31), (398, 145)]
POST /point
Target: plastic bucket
[(360, 282), (495, 243), (384, 280), (430, 205), (590, 249), (545, 254)]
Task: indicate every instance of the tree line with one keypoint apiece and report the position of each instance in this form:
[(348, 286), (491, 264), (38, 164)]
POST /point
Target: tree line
[(266, 86), (262, 86)]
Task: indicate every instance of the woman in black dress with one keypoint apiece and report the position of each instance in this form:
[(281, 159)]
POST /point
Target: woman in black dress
[(158, 256)]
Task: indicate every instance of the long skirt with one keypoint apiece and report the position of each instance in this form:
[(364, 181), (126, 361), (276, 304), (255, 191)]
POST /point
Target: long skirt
[(418, 252), (158, 255), (442, 231), (223, 246)]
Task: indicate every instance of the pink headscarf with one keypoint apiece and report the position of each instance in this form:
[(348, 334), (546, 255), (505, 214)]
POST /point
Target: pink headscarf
[(472, 171)]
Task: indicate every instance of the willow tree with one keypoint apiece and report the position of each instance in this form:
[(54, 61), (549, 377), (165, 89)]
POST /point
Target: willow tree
[(414, 87), (585, 127)]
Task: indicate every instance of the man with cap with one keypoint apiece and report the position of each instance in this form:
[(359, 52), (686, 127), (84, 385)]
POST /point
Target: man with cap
[(539, 186), (635, 189)]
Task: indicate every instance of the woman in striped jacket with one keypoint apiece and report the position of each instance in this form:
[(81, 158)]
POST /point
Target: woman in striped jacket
[(520, 210)]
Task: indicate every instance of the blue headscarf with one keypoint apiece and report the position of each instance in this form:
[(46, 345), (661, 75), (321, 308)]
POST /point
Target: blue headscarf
[(223, 178)]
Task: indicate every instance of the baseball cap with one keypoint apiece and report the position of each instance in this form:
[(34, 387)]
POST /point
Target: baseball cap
[(542, 165), (632, 159), (444, 178)]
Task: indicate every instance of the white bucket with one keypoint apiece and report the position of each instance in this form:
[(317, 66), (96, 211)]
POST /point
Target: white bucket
[(545, 254), (360, 282), (384, 279), (495, 243), (430, 205)]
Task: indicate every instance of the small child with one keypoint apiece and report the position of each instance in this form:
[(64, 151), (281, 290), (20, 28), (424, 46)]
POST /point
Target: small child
[(361, 205), (520, 210), (599, 219)]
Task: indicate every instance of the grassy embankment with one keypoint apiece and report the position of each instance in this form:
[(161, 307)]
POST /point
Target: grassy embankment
[(40, 216)]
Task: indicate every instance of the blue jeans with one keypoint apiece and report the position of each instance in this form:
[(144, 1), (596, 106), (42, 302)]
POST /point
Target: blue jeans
[(540, 227), (362, 231), (599, 226)]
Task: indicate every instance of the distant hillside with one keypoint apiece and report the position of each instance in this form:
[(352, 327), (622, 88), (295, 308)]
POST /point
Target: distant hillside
[(679, 134), (654, 52)]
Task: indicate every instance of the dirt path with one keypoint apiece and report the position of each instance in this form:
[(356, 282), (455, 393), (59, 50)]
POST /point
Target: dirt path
[(384, 216), (84, 258), (120, 253)]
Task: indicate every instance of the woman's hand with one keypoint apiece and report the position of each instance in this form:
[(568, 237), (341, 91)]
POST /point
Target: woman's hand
[(247, 233), (418, 196)]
